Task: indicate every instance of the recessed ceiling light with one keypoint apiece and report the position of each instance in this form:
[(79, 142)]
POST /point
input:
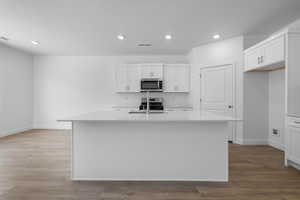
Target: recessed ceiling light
[(216, 36), (121, 37), (35, 42), (168, 37)]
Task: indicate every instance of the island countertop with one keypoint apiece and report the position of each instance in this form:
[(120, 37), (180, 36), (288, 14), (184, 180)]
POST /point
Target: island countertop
[(168, 116)]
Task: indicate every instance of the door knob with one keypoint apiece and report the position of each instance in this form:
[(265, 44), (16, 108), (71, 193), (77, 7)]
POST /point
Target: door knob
[(230, 106)]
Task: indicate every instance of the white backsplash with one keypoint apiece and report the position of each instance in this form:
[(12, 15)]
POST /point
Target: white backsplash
[(170, 99)]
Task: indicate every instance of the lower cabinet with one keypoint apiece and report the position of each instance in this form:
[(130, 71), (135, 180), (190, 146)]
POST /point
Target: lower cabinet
[(293, 140)]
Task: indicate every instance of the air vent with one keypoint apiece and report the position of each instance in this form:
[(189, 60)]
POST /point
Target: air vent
[(144, 45), (4, 38)]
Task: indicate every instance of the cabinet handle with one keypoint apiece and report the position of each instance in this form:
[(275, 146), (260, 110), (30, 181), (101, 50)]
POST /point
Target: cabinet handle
[(296, 122), (262, 59), (230, 106), (258, 60)]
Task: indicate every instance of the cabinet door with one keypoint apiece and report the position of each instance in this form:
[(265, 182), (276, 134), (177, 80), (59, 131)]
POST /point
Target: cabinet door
[(133, 77), (169, 82), (182, 78), (152, 71), (274, 51), (176, 78), (128, 78), (121, 79), (252, 59), (293, 143)]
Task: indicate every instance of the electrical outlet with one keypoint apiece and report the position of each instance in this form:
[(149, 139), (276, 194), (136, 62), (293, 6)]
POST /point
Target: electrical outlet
[(275, 132)]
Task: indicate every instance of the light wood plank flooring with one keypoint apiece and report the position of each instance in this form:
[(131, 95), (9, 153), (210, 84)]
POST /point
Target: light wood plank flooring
[(35, 165)]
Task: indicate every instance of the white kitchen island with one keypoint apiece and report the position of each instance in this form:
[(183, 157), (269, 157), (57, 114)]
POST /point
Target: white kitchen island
[(175, 146)]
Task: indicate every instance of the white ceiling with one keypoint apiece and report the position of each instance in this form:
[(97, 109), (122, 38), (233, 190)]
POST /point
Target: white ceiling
[(90, 27)]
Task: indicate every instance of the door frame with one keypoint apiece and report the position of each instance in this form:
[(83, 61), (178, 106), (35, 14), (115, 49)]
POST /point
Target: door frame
[(234, 111)]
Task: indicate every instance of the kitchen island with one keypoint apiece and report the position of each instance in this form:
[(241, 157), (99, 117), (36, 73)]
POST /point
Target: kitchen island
[(171, 146)]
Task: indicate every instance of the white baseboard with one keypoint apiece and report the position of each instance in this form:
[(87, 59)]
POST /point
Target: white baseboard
[(145, 180), (276, 145), (239, 141), (255, 142), (293, 164), (52, 125), (13, 131)]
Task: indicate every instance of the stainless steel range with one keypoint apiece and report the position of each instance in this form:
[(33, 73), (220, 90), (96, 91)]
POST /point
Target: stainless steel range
[(155, 104)]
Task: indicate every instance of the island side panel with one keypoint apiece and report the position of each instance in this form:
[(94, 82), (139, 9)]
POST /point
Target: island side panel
[(186, 151)]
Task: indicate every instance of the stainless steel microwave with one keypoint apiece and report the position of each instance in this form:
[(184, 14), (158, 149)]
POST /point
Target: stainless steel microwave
[(151, 84)]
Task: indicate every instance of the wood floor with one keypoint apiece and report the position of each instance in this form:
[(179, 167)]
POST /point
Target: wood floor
[(36, 166)]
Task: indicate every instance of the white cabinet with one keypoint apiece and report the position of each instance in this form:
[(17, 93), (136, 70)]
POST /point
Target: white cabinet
[(152, 70), (274, 51), (176, 78), (128, 78), (266, 55), (253, 59), (293, 140)]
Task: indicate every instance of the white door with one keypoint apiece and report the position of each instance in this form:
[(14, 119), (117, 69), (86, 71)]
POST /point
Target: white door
[(217, 91)]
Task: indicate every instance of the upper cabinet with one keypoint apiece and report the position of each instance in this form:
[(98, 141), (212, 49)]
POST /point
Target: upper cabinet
[(176, 78), (152, 70), (267, 55), (128, 78), (253, 59), (274, 51)]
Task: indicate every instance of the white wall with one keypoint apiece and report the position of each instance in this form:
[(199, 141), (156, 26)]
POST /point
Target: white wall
[(256, 107), (72, 85), (256, 101), (16, 86), (219, 53), (277, 107)]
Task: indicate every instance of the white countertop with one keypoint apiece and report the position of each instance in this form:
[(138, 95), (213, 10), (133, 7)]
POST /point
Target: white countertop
[(153, 117)]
